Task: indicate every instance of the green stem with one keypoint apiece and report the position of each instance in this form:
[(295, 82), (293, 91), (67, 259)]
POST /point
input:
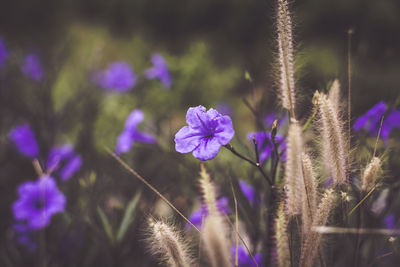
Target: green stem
[(255, 164)]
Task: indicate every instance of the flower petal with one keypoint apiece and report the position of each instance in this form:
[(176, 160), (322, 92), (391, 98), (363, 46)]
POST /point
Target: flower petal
[(73, 165), (224, 131), (24, 139), (134, 118), (196, 116), (207, 149), (144, 137), (187, 139)]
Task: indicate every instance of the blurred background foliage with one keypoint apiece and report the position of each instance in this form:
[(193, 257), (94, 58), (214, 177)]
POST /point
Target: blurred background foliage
[(208, 46)]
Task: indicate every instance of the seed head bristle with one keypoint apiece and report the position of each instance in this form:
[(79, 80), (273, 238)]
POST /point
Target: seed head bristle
[(208, 191), (293, 171), (370, 174), (281, 238), (167, 245), (215, 241), (334, 94), (309, 201), (286, 58), (333, 140), (312, 241)]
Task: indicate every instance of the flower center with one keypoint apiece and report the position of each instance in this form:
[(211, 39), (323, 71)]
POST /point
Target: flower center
[(39, 203)]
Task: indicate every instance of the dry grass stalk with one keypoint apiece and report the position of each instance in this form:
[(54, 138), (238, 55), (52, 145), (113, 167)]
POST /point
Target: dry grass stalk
[(282, 239), (168, 245), (333, 140), (309, 201), (370, 174), (312, 242), (293, 170), (286, 58)]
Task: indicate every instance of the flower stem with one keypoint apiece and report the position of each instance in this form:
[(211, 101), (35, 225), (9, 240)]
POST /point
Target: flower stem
[(255, 164)]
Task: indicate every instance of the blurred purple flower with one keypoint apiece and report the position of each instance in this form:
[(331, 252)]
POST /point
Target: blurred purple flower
[(159, 70), (197, 216), (130, 134), (38, 202), (265, 145), (206, 133), (244, 258), (271, 117), (63, 155), (392, 121), (390, 222), (118, 77), (248, 191), (3, 52), (32, 68), (370, 120), (24, 139), (25, 236), (224, 109)]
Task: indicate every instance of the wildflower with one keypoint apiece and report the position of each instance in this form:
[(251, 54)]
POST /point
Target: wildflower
[(244, 259), (370, 120), (25, 236), (392, 121), (3, 52), (25, 141), (64, 155), (118, 77), (32, 68), (38, 202), (224, 109), (159, 70), (130, 134), (248, 191), (264, 143), (390, 222), (197, 216), (206, 133)]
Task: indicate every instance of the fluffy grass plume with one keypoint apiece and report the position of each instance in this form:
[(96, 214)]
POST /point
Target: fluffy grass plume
[(286, 58), (370, 174), (281, 238), (215, 241), (167, 245), (334, 94), (333, 140), (312, 242), (293, 171), (208, 191), (309, 201)]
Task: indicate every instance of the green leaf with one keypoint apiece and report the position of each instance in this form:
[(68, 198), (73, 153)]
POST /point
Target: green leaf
[(128, 216), (106, 224)]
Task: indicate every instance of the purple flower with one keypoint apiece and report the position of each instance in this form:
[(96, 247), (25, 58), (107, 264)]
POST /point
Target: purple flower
[(244, 258), (159, 70), (32, 68), (25, 141), (25, 236), (63, 155), (130, 134), (390, 222), (3, 52), (206, 133), (370, 120), (392, 121), (248, 191), (197, 216), (118, 77), (265, 145), (224, 109), (38, 202), (73, 165), (271, 117)]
